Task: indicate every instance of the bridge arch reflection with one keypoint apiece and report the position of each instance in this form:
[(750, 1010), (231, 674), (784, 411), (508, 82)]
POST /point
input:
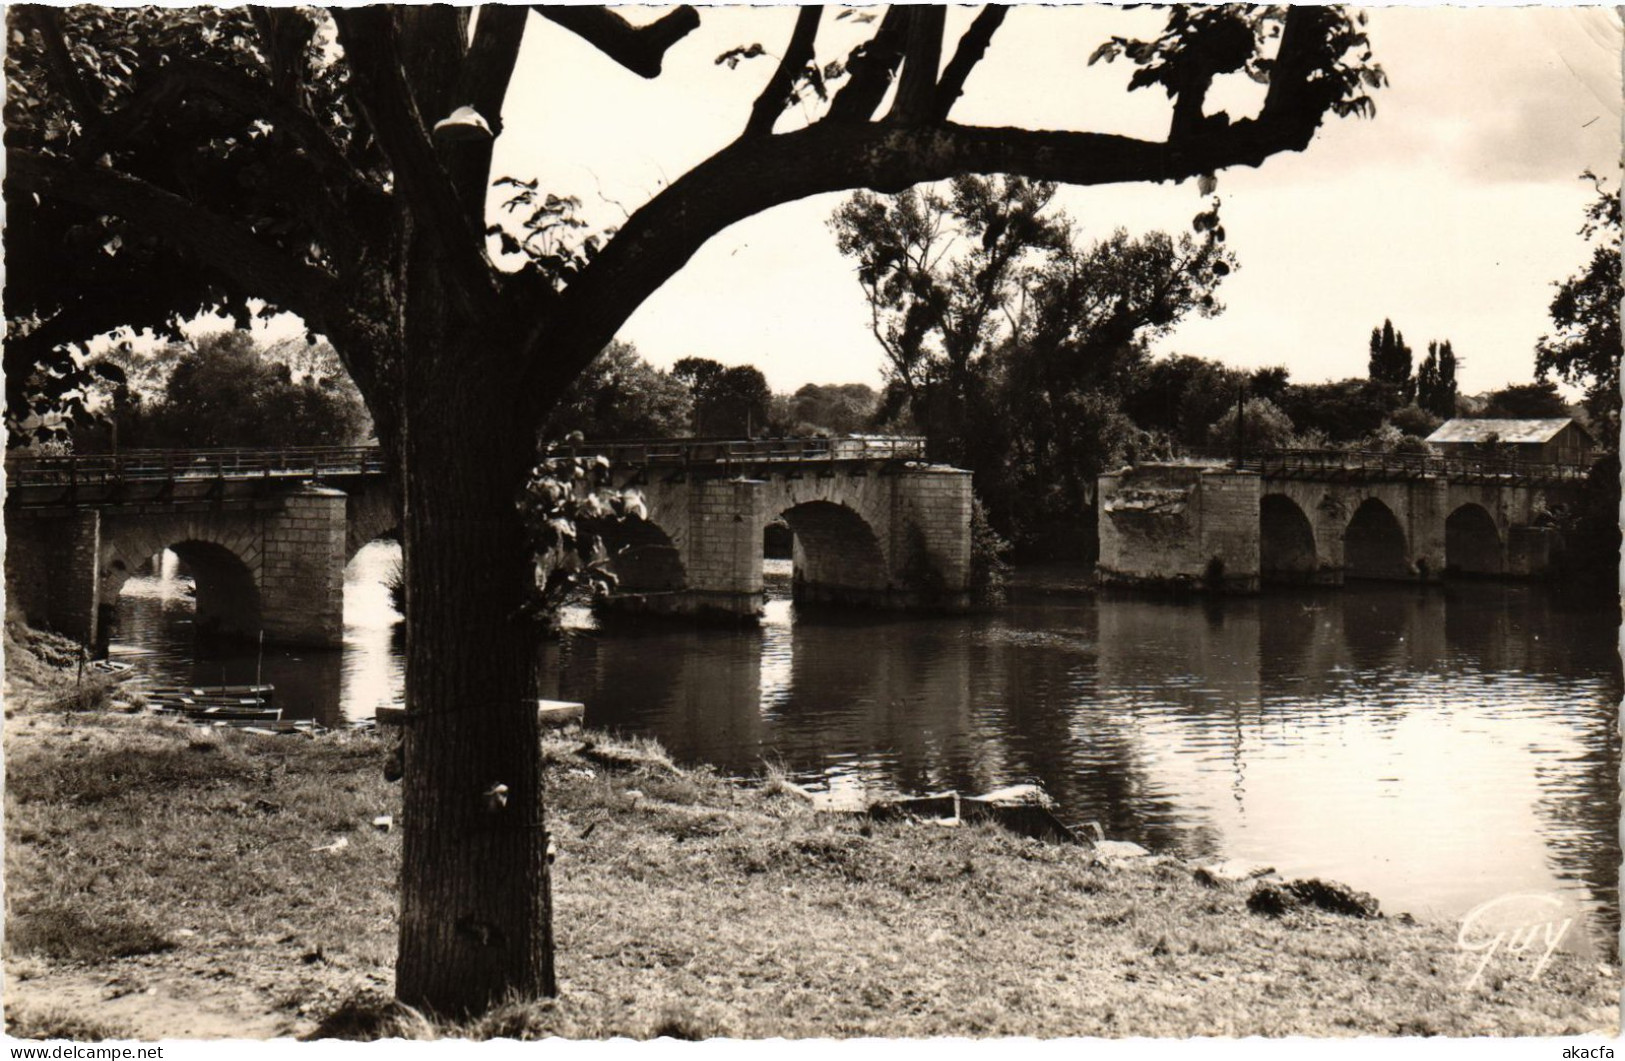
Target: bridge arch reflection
[(1374, 543)]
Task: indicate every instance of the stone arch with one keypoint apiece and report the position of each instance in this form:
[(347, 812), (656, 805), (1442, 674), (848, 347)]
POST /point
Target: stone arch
[(370, 514), (1472, 542), (1286, 541), (227, 594), (129, 546), (643, 556), (837, 555), (225, 581), (1374, 544)]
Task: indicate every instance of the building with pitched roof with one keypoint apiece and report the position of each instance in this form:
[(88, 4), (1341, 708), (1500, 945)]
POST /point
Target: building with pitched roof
[(1552, 441)]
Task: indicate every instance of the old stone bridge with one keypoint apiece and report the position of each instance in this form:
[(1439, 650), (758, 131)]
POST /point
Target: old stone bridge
[(1316, 517), (267, 534)]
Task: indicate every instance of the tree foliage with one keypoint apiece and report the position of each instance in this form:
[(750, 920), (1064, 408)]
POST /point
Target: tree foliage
[(620, 395), (228, 390), (1584, 348), (1012, 340), (1526, 401), (338, 165), (1390, 361), (1343, 411), (1436, 380), (832, 409), (732, 402), (1264, 427)]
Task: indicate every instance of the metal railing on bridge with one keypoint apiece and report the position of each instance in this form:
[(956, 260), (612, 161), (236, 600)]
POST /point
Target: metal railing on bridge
[(108, 469), (1354, 464), (715, 453), (132, 466)]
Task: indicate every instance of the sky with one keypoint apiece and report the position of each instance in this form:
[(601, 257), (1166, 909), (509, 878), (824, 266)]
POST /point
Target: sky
[(1452, 213)]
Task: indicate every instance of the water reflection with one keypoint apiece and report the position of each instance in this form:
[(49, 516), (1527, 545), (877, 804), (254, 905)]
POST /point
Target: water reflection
[(1437, 747)]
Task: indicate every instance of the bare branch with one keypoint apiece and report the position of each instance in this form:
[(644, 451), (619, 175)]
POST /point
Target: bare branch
[(368, 37), (870, 68), (753, 175), (69, 79), (972, 46), (212, 240), (770, 104), (917, 92), (638, 48)]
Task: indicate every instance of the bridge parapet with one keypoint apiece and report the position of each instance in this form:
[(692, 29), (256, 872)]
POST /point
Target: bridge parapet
[(1393, 467)]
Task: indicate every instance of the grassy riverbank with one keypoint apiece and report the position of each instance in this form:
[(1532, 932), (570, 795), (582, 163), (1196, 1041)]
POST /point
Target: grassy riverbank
[(163, 881)]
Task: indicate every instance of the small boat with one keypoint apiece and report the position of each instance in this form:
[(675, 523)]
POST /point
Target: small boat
[(207, 712), (257, 692), (111, 666)]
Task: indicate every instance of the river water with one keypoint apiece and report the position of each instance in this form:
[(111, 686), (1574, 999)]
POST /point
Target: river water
[(1437, 747)]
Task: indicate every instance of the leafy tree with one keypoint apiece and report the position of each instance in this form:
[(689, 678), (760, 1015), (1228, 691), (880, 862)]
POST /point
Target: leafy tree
[(1087, 319), (1436, 380), (228, 391), (337, 165), (836, 409), (1012, 339), (620, 395), (733, 402), (1526, 401), (938, 268), (1264, 427), (1414, 420), (1390, 360), (1585, 347), (1344, 411), (1157, 398)]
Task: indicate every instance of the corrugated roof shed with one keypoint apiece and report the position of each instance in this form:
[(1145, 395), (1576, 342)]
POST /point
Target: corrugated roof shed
[(1502, 430)]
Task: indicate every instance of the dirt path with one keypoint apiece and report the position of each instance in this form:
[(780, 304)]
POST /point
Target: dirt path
[(156, 1005)]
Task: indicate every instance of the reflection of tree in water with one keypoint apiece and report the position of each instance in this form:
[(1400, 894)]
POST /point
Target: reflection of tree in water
[(1580, 808), (693, 689)]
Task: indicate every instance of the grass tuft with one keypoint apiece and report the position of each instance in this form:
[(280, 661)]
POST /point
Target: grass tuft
[(60, 1022)]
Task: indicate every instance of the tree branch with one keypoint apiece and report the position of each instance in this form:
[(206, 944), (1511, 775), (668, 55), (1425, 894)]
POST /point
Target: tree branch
[(870, 68), (753, 175), (638, 48), (70, 80), (368, 37), (483, 85), (918, 89), (972, 46), (770, 104), (212, 240)]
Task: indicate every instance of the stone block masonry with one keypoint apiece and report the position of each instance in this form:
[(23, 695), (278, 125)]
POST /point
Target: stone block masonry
[(51, 571), (870, 535), (1180, 526), (1222, 529), (303, 553)]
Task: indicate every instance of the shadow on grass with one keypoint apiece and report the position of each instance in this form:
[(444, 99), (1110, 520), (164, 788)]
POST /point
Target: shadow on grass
[(63, 932)]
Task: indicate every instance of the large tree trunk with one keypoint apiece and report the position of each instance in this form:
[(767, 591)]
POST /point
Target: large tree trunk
[(475, 919)]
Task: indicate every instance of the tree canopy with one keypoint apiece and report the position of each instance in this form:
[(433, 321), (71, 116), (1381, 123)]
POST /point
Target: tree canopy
[(620, 395), (1390, 360), (1584, 348), (337, 164)]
